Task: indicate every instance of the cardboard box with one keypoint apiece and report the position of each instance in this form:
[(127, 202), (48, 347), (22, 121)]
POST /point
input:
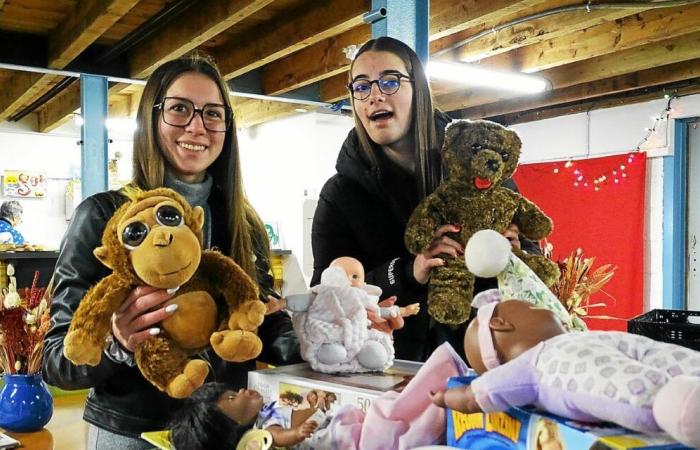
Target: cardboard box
[(292, 384), (518, 428)]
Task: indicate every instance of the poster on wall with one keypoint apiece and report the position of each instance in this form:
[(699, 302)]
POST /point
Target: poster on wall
[(23, 183)]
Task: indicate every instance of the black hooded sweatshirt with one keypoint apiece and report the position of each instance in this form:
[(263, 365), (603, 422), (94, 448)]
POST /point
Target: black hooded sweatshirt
[(362, 212)]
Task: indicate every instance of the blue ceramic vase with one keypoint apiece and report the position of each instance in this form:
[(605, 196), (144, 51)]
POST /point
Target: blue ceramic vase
[(25, 403)]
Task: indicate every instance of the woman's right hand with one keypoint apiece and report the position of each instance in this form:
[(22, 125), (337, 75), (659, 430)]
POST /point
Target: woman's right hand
[(427, 259), (134, 322)]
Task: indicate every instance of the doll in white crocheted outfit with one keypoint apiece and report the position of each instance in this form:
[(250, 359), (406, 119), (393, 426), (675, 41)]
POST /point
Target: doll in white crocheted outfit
[(342, 325)]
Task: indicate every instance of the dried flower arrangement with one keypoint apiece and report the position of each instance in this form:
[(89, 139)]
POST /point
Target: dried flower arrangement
[(24, 320), (577, 282)]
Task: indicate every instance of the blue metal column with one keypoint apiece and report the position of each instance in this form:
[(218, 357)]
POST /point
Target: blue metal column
[(93, 157), (675, 220), (406, 20)]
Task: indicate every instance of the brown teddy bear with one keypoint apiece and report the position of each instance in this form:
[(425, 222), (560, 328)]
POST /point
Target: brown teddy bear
[(477, 157), (155, 239)]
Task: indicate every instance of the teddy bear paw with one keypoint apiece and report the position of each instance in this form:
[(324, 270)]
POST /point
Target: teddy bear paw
[(192, 377), (82, 349), (236, 345)]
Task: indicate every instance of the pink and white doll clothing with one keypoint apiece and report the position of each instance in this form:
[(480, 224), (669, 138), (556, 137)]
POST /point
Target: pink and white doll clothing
[(400, 421), (631, 380)]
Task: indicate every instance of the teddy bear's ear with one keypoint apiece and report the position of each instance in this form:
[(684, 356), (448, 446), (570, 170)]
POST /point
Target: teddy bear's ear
[(102, 254), (198, 217)]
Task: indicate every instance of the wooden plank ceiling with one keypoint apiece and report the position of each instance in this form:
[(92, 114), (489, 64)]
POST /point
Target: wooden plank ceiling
[(593, 54)]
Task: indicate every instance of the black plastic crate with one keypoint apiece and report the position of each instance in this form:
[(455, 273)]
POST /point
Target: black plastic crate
[(668, 325)]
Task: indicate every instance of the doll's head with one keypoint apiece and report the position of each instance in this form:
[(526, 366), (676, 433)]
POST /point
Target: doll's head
[(504, 330), (547, 436), (353, 268), (214, 416)]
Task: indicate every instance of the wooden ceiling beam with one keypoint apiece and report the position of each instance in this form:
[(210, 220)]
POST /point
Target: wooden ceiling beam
[(448, 17), (335, 88), (326, 58), (644, 57), (251, 112), (322, 60), (599, 103), (288, 34), (628, 32), (530, 32), (20, 89), (87, 22), (59, 110), (615, 85), (190, 31)]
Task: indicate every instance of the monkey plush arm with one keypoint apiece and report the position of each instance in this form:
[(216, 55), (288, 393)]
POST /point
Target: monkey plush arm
[(92, 321), (238, 289)]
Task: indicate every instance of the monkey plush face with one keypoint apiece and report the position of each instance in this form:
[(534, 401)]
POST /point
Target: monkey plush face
[(158, 236)]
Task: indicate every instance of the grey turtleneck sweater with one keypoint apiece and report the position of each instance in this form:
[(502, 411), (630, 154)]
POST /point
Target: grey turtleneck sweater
[(197, 194)]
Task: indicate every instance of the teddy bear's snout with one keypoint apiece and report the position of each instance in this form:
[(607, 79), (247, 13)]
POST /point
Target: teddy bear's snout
[(493, 165)]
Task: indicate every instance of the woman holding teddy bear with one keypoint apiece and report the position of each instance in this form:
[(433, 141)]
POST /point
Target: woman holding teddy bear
[(389, 162)]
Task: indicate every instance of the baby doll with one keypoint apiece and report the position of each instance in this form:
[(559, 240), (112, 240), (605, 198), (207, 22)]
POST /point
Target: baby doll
[(631, 380), (216, 417), (341, 324)]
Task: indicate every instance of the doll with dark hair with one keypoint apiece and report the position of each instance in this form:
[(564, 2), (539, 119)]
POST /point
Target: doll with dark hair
[(217, 417)]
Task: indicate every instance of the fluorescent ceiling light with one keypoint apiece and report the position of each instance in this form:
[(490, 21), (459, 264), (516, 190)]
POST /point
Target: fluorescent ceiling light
[(470, 74)]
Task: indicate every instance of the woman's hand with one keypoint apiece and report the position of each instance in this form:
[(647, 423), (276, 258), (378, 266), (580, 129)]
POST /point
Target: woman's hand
[(427, 259), (134, 322)]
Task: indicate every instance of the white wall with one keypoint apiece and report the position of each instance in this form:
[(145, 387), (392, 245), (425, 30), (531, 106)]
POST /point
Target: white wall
[(58, 155)]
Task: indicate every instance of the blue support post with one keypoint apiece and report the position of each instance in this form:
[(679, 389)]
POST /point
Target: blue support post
[(675, 220), (93, 157), (406, 20)]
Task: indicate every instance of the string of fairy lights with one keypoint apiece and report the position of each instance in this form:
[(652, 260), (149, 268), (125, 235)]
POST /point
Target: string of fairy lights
[(617, 173)]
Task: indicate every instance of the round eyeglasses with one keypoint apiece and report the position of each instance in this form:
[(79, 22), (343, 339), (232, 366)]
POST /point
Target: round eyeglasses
[(388, 84), (179, 112)]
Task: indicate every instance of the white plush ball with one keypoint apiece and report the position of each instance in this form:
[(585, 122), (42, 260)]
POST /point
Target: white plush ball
[(487, 253)]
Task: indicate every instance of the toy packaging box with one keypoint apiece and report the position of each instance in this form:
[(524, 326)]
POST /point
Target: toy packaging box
[(291, 385), (529, 429)]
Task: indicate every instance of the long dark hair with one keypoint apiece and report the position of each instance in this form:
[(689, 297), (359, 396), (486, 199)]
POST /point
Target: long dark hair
[(244, 225), (428, 171), (201, 425)]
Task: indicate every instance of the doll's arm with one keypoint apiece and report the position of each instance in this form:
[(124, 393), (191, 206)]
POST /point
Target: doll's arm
[(287, 437), (459, 399)]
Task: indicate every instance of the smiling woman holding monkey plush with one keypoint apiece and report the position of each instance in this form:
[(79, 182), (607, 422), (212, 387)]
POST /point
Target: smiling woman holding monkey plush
[(186, 140)]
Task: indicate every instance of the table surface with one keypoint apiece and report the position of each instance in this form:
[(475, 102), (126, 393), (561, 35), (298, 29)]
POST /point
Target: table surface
[(66, 429)]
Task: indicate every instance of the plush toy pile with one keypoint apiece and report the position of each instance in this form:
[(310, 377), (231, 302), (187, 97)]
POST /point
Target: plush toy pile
[(477, 157), (154, 239)]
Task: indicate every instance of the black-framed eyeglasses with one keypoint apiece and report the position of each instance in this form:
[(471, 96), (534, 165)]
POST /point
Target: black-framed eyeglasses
[(388, 84), (179, 112)]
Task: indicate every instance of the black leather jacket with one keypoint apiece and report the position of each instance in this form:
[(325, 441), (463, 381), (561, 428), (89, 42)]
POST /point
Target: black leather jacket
[(121, 400)]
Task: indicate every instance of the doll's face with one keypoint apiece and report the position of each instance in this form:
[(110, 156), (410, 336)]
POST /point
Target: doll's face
[(242, 406), (353, 268)]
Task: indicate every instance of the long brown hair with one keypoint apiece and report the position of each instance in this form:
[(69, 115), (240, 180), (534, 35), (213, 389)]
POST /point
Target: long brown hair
[(244, 224), (428, 171)]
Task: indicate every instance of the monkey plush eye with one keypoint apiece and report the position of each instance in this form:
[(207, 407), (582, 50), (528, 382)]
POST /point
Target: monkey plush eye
[(476, 147), (169, 216), (134, 234), (505, 156)]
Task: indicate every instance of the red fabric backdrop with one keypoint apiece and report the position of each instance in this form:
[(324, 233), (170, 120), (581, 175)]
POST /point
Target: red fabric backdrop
[(607, 223)]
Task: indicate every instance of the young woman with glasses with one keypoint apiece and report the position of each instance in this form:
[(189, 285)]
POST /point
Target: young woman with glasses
[(388, 163), (185, 140)]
